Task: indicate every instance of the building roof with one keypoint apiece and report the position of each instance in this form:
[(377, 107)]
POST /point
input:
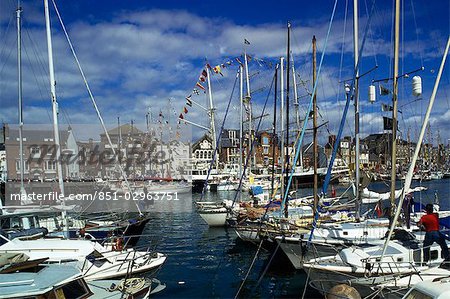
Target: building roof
[(196, 144), (125, 129), (36, 136)]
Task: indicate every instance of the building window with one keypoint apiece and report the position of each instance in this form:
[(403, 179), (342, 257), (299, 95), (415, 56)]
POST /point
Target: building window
[(231, 134), (265, 150), (27, 166), (265, 140), (50, 165)]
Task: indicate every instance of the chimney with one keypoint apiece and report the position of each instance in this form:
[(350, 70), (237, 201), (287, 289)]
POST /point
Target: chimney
[(5, 133)]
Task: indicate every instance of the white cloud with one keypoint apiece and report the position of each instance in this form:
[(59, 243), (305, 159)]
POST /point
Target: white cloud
[(141, 59)]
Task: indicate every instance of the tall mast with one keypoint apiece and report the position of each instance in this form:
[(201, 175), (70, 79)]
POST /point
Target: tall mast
[(119, 153), (147, 122), (248, 101), (274, 130), (19, 91), (409, 175), (394, 102), (288, 69), (120, 135), (297, 112), (356, 103), (316, 181), (55, 112), (241, 126), (211, 112), (282, 126)]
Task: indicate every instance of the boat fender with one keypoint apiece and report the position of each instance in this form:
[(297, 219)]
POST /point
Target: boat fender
[(343, 291)]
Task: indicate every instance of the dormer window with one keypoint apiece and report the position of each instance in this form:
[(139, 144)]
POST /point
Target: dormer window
[(35, 150)]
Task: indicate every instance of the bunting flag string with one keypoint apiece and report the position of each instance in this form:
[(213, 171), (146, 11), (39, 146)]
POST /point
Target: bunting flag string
[(219, 70)]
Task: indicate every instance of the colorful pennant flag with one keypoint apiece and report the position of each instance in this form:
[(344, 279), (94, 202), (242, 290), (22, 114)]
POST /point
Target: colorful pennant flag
[(185, 110), (200, 86), (189, 101), (217, 70), (383, 90), (385, 107), (181, 116)]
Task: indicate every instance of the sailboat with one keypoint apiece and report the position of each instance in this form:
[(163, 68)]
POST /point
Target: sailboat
[(328, 237), (374, 268)]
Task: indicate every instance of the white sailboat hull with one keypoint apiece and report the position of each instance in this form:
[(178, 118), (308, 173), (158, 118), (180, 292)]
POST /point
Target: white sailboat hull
[(214, 217)]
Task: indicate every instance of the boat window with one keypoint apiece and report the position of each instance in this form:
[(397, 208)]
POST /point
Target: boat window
[(399, 259), (15, 222), (434, 254), (365, 233), (31, 222), (345, 233), (74, 289), (5, 223)]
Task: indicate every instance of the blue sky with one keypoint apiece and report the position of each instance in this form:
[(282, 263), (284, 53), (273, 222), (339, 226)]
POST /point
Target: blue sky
[(139, 54)]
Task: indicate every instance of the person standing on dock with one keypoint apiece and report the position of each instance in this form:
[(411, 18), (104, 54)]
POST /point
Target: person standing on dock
[(430, 223)]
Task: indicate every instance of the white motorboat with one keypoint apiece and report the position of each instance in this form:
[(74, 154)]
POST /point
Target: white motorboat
[(63, 281), (436, 175), (226, 185), (401, 259), (95, 261)]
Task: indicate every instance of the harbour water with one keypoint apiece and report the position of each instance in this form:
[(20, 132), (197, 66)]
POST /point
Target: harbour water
[(212, 262)]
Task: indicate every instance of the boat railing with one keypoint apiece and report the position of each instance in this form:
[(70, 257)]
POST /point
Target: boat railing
[(126, 259), (392, 264)]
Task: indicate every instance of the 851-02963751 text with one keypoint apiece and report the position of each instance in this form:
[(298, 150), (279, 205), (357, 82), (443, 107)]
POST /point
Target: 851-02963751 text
[(143, 196), (97, 195)]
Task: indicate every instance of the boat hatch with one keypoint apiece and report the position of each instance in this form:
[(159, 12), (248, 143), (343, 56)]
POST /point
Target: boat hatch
[(74, 289)]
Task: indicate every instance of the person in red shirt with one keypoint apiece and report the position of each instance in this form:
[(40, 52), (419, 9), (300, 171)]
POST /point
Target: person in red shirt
[(430, 223)]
